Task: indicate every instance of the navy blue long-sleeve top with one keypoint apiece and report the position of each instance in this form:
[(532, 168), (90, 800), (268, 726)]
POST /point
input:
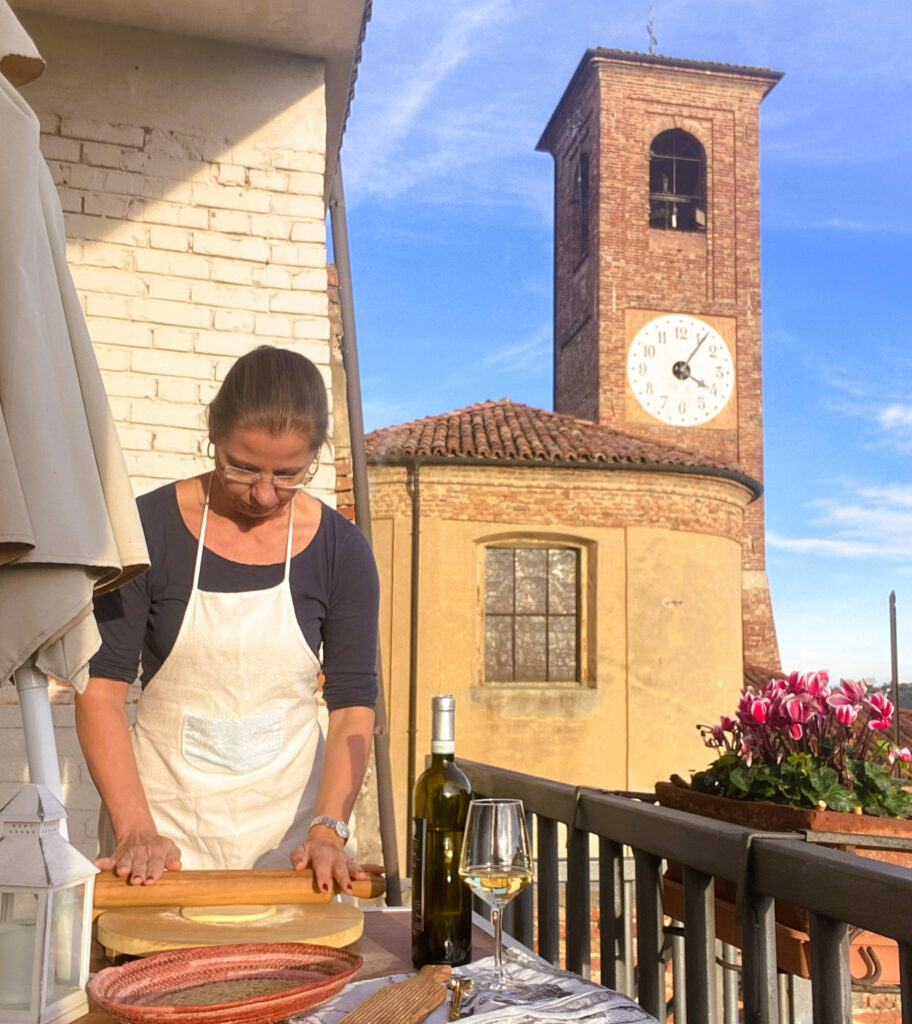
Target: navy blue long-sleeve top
[(334, 587)]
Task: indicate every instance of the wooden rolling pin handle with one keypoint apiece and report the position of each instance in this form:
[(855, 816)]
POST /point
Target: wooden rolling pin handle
[(223, 888)]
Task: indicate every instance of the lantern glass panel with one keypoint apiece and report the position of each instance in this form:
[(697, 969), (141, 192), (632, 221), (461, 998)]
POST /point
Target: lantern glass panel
[(64, 960), (19, 913)]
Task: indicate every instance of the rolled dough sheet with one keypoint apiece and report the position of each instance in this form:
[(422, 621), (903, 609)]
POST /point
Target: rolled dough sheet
[(138, 931), (228, 915)]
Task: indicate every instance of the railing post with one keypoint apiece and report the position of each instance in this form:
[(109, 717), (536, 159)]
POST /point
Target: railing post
[(905, 981), (613, 951), (548, 892), (579, 928), (830, 981), (700, 946), (521, 923), (650, 934), (758, 959)]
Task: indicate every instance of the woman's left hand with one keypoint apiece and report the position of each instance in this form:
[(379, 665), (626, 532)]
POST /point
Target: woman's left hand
[(330, 863)]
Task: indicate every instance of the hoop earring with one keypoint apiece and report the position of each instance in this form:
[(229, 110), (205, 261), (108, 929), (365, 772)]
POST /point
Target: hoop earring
[(210, 450)]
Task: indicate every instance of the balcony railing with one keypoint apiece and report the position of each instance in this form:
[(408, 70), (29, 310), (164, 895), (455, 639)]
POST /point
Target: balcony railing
[(837, 889)]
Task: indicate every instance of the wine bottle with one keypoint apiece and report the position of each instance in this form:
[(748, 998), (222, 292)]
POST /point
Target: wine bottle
[(441, 901)]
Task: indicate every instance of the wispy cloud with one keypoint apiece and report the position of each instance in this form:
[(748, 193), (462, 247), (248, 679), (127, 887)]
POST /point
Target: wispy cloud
[(526, 356)]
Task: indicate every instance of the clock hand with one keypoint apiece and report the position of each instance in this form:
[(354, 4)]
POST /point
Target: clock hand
[(697, 381), (697, 349)]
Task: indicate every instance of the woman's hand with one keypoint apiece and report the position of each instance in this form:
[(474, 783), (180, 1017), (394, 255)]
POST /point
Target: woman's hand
[(142, 854), (330, 863)]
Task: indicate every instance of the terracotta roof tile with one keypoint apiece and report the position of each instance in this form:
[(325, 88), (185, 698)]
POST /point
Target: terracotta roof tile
[(496, 431)]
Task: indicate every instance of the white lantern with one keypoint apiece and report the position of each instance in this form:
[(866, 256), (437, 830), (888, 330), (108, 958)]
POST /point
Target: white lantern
[(46, 889)]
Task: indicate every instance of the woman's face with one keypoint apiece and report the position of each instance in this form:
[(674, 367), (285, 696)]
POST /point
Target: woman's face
[(250, 453)]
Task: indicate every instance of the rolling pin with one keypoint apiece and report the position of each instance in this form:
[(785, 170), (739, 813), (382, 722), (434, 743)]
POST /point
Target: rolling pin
[(223, 888)]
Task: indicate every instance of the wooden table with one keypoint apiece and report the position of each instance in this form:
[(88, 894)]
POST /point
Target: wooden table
[(386, 946)]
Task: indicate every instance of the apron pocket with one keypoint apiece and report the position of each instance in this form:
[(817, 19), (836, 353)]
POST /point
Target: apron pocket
[(235, 745)]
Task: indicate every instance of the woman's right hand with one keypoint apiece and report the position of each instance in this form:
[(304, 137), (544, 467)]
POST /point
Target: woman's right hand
[(142, 854)]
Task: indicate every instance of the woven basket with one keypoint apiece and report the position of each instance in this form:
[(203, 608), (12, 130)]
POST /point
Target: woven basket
[(258, 983)]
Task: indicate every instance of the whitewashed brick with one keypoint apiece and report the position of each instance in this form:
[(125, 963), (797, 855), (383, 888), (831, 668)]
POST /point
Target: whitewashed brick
[(99, 154), (132, 184), (174, 364), (99, 131), (175, 239), (208, 293), (308, 231), (299, 160), (313, 279), (119, 332), (70, 200), (300, 303), (126, 385), (50, 123), (104, 205), (113, 359), (107, 280), (88, 178), (175, 338), (232, 271), (301, 207), (182, 442), (312, 254), (271, 181), (120, 409), (272, 326), (173, 389), (175, 215), (312, 328), (270, 227), (123, 232), (103, 254), (174, 264), (233, 320), (169, 414), (230, 198), (211, 244), (112, 306), (225, 343), (136, 438), (232, 222), (306, 183), (53, 147), (316, 351), (161, 287), (74, 250), (230, 174), (156, 467), (174, 314), (272, 277)]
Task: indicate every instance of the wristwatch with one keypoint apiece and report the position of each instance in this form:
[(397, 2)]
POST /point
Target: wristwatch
[(341, 829)]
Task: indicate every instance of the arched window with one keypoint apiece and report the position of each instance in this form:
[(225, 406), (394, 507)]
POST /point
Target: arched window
[(677, 182)]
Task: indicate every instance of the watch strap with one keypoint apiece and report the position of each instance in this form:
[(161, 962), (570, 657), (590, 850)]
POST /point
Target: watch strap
[(339, 827)]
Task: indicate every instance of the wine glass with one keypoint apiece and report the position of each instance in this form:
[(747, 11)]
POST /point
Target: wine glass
[(496, 864)]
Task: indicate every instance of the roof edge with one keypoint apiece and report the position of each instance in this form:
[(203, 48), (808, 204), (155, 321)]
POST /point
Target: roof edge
[(734, 475)]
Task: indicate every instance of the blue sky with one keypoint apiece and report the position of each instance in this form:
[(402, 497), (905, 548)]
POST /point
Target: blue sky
[(450, 218)]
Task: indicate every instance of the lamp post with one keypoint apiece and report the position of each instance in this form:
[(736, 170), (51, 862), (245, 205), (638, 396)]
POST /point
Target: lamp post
[(46, 889)]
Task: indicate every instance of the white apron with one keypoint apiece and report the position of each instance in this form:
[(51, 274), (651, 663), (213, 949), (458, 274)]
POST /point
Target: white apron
[(226, 735)]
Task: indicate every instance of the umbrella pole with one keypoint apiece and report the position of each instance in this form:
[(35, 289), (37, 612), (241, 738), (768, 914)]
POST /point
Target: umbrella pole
[(38, 726)]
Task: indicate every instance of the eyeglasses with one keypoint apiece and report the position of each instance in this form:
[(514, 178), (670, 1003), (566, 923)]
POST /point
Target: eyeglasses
[(249, 477)]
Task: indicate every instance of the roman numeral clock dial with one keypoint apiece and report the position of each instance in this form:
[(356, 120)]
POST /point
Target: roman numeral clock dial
[(680, 370)]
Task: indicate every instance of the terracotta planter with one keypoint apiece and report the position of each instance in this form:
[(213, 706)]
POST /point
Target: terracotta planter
[(792, 942)]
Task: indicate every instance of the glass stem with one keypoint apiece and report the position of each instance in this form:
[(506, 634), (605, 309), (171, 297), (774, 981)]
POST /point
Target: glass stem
[(497, 920)]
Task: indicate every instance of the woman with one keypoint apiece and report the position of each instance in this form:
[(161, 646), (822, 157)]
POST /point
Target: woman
[(225, 766)]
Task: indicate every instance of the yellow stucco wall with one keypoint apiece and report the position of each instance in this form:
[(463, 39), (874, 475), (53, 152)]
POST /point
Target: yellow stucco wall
[(661, 622)]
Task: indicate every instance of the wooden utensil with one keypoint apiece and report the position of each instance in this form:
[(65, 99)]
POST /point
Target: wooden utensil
[(404, 1002), (223, 888)]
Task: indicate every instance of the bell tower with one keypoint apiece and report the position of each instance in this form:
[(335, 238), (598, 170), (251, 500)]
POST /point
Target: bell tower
[(657, 269)]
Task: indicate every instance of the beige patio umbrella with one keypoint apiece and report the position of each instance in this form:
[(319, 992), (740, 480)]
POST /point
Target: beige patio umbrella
[(68, 522)]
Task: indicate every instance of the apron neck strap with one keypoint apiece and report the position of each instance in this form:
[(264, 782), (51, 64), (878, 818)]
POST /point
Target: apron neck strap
[(202, 538)]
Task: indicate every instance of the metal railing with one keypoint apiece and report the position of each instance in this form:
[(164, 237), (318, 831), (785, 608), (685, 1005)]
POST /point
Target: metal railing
[(836, 889)]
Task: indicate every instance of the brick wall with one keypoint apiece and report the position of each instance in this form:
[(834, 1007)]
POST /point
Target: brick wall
[(190, 173)]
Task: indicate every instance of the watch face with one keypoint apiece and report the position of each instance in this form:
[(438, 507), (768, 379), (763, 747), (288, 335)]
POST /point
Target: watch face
[(680, 370)]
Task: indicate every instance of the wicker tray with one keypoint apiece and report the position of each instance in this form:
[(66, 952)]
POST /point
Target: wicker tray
[(246, 984)]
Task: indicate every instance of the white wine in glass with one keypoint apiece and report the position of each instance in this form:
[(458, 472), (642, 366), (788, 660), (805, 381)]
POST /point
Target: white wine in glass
[(496, 864)]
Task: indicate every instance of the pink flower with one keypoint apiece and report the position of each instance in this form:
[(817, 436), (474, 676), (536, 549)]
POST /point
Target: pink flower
[(717, 734), (818, 684), (854, 691), (900, 754), (759, 708), (727, 724), (796, 731), (796, 710), (881, 708), (846, 713)]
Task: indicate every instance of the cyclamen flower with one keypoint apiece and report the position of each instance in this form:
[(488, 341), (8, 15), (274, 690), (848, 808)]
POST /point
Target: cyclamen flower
[(900, 754), (881, 709), (759, 708), (845, 713)]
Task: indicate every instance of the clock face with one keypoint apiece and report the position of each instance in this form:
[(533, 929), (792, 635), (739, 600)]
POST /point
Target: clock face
[(680, 370)]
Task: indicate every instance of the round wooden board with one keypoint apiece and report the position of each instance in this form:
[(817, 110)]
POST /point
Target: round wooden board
[(139, 931)]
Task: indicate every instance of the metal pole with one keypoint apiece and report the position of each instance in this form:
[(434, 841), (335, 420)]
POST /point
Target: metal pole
[(38, 728), (894, 670), (361, 489), (413, 652)]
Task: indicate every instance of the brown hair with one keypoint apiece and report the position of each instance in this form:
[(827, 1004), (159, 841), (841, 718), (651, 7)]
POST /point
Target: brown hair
[(271, 389)]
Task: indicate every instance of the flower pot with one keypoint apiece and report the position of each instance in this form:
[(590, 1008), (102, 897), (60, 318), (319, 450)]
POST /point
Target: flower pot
[(850, 833)]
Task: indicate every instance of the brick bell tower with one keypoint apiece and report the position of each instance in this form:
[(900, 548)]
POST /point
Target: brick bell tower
[(657, 269)]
